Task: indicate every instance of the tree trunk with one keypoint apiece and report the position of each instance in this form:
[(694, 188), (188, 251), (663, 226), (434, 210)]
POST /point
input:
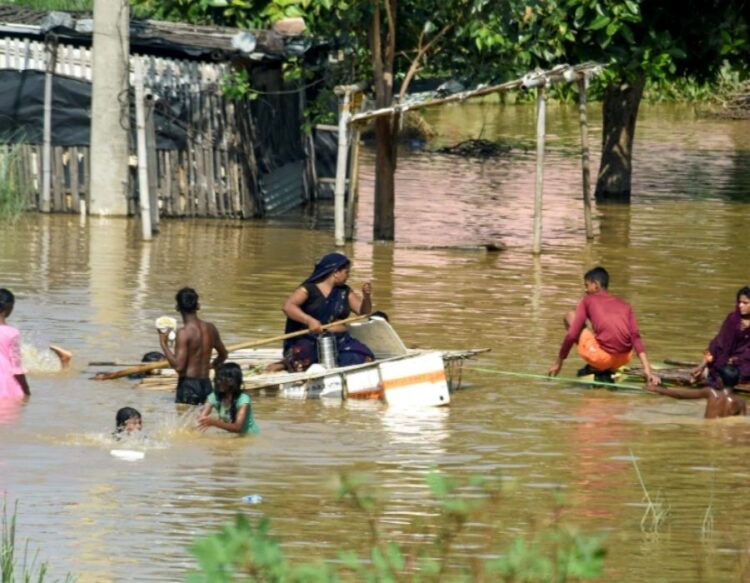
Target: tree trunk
[(386, 132), (619, 112), (385, 173)]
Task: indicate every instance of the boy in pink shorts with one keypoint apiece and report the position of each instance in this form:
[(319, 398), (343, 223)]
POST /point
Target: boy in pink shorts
[(613, 336)]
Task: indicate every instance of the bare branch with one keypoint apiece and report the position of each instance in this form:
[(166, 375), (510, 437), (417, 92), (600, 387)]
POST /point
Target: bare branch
[(422, 50)]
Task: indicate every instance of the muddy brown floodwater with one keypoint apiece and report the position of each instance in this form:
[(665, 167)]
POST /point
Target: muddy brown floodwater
[(678, 253)]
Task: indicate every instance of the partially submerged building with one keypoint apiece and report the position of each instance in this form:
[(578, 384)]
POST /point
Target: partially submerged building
[(211, 156)]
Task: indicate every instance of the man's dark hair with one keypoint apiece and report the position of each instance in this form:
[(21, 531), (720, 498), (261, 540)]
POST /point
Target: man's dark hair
[(730, 375), (599, 275), (187, 300), (6, 299)]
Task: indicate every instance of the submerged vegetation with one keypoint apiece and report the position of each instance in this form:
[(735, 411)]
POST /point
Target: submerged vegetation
[(558, 553), (13, 189), (19, 568)]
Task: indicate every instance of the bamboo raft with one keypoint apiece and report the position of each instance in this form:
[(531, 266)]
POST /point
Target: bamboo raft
[(354, 381), (674, 372)]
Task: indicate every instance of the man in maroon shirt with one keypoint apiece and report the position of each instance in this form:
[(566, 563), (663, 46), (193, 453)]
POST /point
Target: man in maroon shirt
[(615, 332)]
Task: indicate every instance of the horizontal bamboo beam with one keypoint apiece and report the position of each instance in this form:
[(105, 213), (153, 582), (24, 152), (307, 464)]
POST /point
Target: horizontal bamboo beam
[(559, 74)]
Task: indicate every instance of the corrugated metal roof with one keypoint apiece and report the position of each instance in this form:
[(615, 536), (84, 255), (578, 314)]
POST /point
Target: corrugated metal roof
[(155, 37), (283, 189)]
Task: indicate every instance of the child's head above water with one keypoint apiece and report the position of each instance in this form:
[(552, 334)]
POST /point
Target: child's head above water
[(228, 380), (7, 300), (128, 420), (729, 375)]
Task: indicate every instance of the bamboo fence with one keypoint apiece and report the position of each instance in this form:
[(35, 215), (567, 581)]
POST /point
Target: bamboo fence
[(214, 175)]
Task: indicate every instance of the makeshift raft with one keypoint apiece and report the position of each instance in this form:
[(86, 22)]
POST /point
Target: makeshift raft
[(399, 375), (672, 372)]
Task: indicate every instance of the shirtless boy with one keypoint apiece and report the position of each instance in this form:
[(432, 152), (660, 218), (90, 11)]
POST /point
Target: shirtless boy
[(613, 336), (192, 352), (720, 402)]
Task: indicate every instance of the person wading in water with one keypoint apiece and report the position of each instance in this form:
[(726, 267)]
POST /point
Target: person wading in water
[(192, 352)]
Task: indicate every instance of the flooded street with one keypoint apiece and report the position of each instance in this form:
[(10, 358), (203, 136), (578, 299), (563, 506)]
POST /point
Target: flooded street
[(677, 254)]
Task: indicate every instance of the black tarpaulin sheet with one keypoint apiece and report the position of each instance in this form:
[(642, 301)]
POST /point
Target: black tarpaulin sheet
[(22, 112)]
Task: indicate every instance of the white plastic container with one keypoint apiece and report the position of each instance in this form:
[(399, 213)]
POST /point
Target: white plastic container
[(364, 384), (415, 381)]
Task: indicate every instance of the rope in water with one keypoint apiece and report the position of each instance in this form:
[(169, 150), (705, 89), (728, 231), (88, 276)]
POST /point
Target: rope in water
[(559, 379)]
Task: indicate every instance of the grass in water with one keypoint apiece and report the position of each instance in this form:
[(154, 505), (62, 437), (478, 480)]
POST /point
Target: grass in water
[(657, 511), (24, 568), (13, 190)]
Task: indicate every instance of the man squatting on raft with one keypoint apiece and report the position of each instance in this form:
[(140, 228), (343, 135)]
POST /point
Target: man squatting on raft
[(323, 298), (192, 352), (614, 336)]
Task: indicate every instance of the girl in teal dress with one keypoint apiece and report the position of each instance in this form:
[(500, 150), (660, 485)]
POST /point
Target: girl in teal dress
[(232, 404)]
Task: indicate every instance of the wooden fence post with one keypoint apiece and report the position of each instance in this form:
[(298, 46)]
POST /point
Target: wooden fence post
[(341, 167), (140, 121), (151, 162), (351, 203)]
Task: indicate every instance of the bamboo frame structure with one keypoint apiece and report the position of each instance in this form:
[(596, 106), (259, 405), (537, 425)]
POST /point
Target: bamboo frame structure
[(538, 79)]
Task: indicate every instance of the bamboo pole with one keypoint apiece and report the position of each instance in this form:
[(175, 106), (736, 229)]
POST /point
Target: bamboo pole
[(341, 167), (541, 105), (235, 347), (585, 155), (140, 121), (351, 206), (152, 165)]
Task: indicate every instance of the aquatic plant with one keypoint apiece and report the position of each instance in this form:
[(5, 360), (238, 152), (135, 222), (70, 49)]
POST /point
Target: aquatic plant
[(657, 510), (29, 569), (12, 188), (248, 552)]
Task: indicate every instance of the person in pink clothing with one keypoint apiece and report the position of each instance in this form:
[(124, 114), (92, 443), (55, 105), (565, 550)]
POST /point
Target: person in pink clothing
[(613, 336), (13, 384)]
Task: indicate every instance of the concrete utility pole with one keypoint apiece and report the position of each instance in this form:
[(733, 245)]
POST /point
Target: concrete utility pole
[(109, 108)]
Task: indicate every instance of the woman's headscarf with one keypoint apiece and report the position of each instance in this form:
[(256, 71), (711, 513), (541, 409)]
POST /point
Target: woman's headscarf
[(327, 265)]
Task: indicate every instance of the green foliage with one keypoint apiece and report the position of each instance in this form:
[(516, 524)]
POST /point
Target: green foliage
[(243, 552), (13, 189), (235, 85), (29, 569), (70, 5)]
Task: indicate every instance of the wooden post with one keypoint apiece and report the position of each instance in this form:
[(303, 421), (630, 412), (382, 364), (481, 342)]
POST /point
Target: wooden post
[(585, 159), (140, 124), (341, 165), (351, 206), (540, 126), (151, 161), (50, 46)]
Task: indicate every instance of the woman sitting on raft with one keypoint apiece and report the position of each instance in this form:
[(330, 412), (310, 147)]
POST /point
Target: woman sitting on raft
[(323, 298), (731, 345)]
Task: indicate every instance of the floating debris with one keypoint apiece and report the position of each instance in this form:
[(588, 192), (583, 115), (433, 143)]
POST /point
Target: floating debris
[(477, 149)]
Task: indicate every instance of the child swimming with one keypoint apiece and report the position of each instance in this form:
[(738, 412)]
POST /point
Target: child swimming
[(232, 404), (127, 421), (721, 401)]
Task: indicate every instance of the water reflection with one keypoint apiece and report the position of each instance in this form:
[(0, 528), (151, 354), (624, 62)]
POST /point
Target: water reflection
[(10, 410)]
